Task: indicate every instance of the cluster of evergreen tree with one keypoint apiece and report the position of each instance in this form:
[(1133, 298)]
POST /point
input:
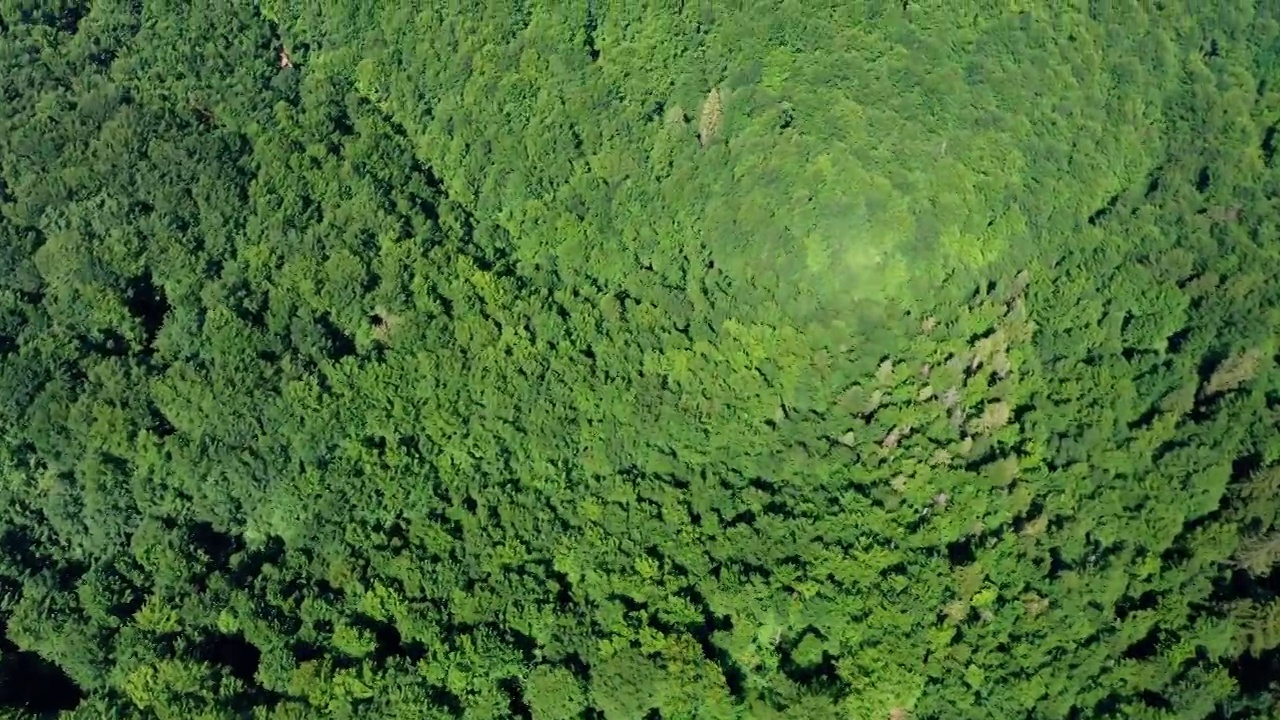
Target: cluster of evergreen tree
[(570, 360)]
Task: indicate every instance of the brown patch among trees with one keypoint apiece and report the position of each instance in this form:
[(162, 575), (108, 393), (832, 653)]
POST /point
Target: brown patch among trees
[(711, 116)]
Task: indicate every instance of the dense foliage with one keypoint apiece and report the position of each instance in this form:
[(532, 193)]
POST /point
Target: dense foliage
[(564, 360)]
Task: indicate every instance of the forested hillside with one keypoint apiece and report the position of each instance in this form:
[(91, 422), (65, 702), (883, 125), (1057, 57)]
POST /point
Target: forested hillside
[(618, 361)]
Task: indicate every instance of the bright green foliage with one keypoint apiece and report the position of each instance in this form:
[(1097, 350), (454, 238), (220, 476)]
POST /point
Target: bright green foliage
[(613, 360)]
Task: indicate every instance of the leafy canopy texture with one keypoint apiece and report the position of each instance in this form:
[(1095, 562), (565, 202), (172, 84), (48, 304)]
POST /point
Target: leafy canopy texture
[(578, 360)]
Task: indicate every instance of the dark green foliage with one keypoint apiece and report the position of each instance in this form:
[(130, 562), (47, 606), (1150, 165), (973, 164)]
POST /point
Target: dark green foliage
[(561, 361)]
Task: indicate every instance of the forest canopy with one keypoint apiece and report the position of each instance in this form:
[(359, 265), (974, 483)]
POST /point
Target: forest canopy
[(576, 360)]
